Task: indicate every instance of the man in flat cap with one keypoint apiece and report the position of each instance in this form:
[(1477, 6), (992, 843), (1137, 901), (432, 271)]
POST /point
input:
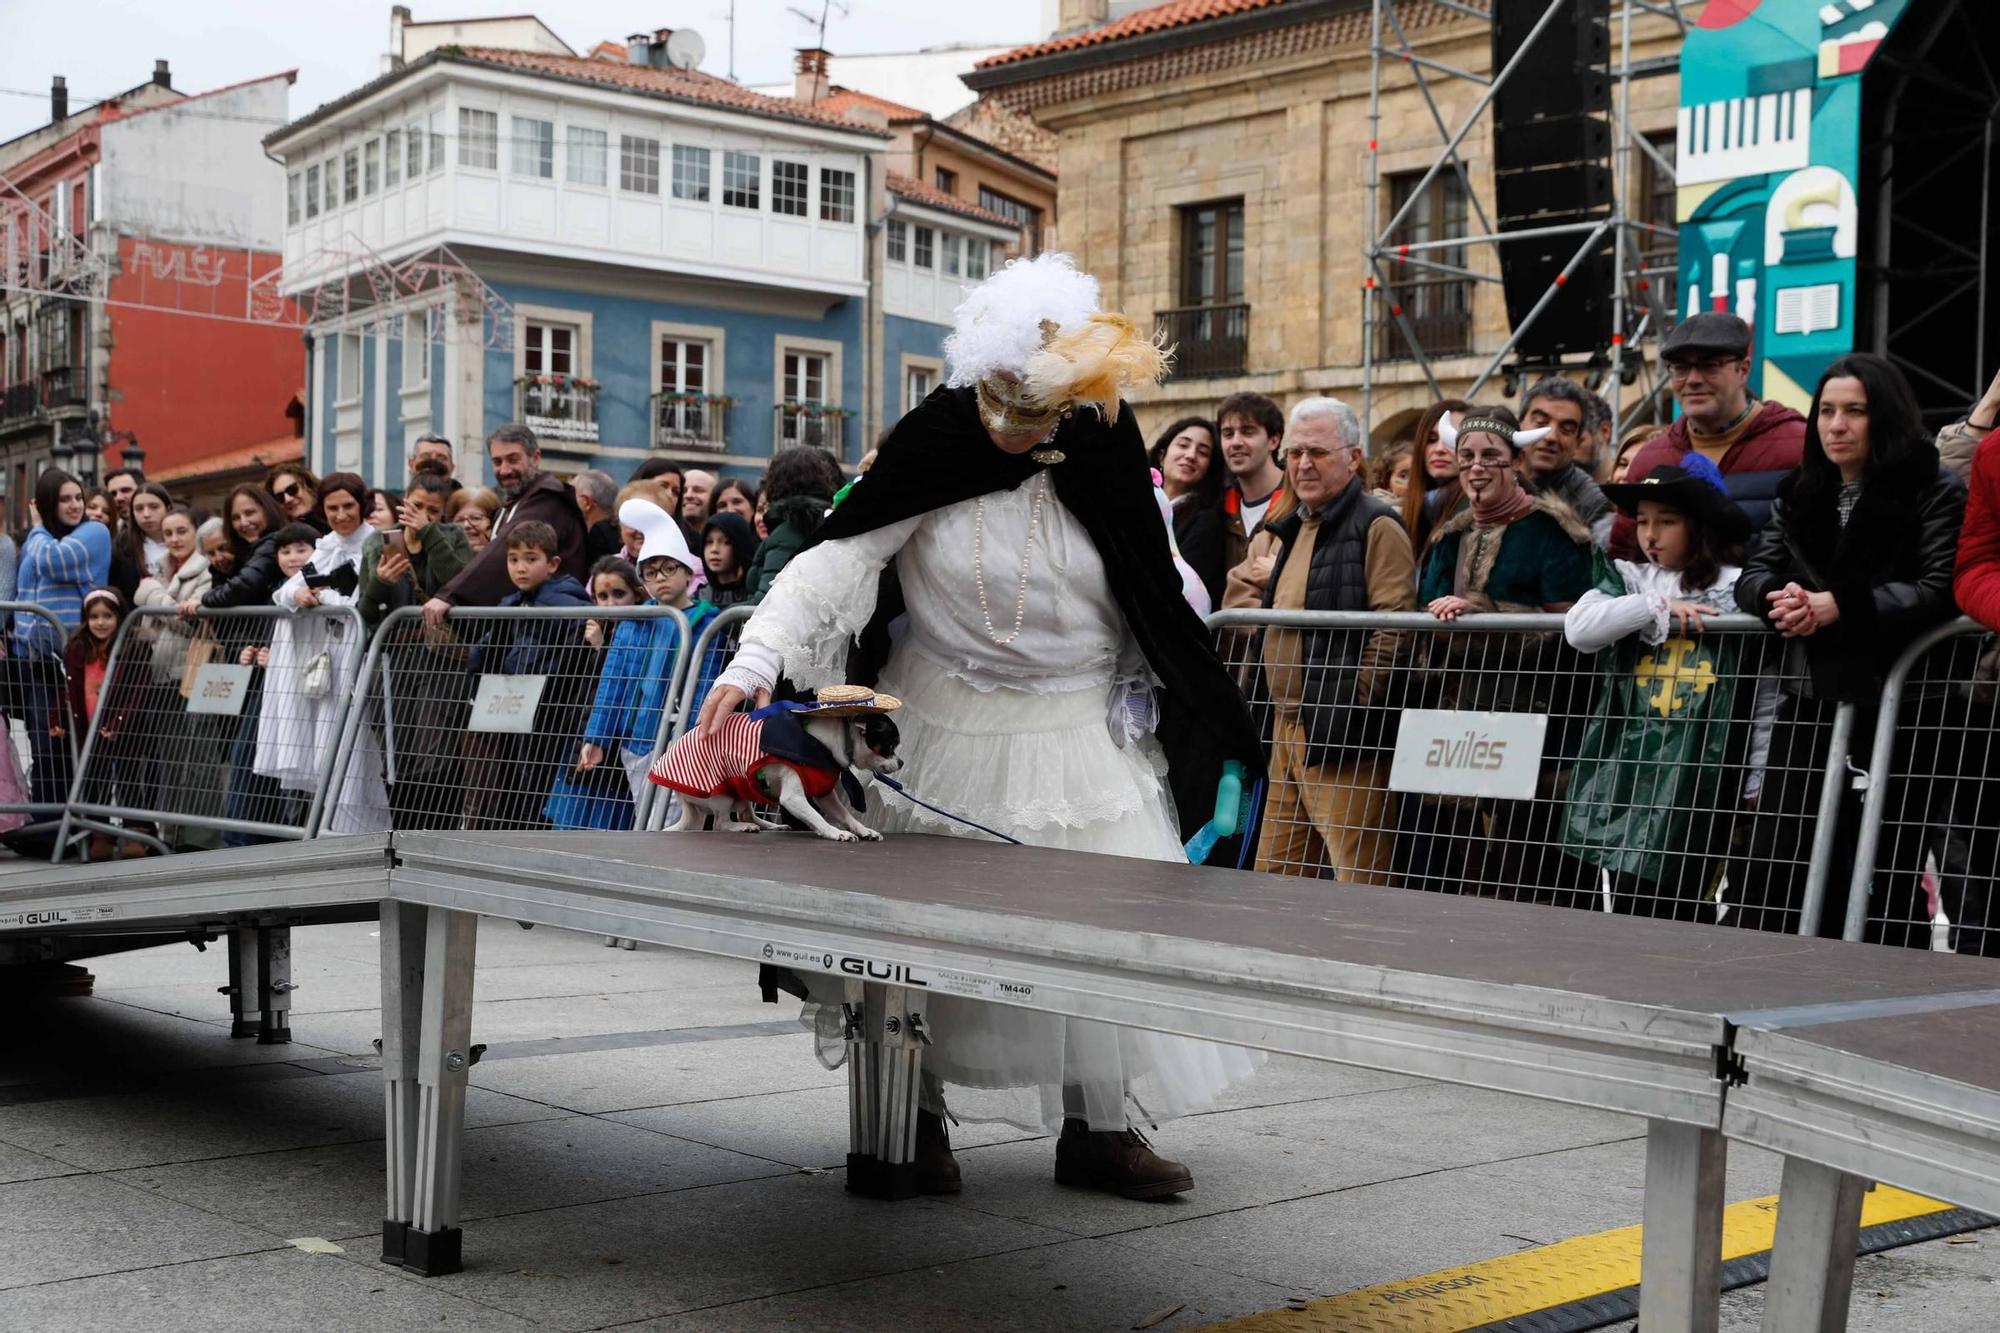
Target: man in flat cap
[(1755, 443)]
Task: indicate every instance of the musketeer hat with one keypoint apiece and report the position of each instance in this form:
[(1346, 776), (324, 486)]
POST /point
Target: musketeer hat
[(1693, 486), (850, 701)]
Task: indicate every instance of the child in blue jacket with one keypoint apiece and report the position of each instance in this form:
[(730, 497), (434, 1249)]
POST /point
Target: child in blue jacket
[(508, 773), (634, 689)]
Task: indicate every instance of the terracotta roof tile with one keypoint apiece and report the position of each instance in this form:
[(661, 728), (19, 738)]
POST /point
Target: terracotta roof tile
[(844, 100), (1157, 18), (284, 449), (919, 193), (689, 85)]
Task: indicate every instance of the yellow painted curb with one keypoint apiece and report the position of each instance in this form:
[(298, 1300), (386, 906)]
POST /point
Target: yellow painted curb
[(1453, 1300)]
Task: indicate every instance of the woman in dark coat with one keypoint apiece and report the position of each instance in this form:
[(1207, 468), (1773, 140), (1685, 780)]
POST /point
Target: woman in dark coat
[(799, 487), (253, 515), (1855, 563), (1184, 456)]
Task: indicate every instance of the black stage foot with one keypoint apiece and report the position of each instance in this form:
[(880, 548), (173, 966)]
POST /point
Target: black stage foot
[(395, 1241), (432, 1253), (873, 1178)]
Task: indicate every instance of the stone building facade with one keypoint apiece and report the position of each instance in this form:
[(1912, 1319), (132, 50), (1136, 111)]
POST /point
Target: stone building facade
[(1216, 153)]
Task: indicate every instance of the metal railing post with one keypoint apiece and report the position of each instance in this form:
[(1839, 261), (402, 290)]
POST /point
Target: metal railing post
[(1874, 808)]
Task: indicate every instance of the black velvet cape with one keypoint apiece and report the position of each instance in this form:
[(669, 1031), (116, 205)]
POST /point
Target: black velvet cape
[(939, 454)]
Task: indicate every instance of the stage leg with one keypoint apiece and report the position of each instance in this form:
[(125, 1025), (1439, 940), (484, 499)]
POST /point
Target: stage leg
[(1812, 1258), (403, 929), (1680, 1264), (242, 988), (274, 985), (434, 1240), (886, 1037)]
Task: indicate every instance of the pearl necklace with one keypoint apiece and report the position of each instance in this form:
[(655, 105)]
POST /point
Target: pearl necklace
[(979, 565)]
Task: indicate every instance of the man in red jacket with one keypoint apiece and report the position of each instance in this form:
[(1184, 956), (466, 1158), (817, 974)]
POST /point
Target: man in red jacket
[(1754, 444), (526, 492)]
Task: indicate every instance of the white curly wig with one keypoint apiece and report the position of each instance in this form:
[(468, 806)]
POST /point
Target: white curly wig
[(998, 324)]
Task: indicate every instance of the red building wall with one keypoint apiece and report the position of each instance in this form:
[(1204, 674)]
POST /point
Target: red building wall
[(185, 384)]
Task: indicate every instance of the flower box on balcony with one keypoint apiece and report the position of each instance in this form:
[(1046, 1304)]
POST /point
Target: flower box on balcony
[(560, 407)]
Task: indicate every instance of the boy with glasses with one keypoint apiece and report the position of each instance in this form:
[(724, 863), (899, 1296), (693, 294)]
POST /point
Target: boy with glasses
[(1754, 443)]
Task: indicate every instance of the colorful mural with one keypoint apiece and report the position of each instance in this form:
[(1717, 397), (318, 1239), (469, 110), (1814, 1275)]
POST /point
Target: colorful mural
[(1769, 144)]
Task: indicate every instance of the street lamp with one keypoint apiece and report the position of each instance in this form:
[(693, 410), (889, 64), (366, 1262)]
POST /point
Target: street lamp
[(132, 455)]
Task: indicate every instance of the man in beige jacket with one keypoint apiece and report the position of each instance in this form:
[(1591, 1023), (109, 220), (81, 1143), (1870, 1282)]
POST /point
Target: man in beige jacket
[(1333, 692)]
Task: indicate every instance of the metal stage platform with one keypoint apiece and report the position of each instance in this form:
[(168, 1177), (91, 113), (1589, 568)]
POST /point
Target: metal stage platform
[(1856, 1062)]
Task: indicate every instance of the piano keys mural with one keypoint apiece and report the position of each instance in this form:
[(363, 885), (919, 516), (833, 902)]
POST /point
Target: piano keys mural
[(1769, 152)]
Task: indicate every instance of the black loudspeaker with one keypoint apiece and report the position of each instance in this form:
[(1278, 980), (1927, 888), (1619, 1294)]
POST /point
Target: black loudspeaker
[(1552, 168)]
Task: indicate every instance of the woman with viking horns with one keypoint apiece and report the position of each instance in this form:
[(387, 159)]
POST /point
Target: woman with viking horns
[(1058, 685)]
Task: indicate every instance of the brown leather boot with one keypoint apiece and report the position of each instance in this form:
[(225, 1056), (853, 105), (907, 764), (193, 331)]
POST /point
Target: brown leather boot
[(937, 1169), (1118, 1163)]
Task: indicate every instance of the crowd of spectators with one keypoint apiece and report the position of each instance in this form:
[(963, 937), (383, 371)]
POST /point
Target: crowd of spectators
[(299, 542), (1846, 530)]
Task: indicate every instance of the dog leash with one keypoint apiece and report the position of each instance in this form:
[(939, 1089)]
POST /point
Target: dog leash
[(897, 787)]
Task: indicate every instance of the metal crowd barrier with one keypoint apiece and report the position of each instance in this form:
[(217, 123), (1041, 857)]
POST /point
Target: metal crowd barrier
[(217, 728), (481, 722), (1927, 853), (712, 650), (1486, 756), (34, 691)]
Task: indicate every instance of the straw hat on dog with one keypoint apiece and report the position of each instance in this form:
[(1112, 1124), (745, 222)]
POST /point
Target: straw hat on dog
[(851, 701)]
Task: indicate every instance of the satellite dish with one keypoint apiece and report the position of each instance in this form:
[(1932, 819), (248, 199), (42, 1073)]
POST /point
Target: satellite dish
[(685, 49)]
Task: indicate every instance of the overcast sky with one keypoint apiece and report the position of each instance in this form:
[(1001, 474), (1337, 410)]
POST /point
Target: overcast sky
[(104, 48)]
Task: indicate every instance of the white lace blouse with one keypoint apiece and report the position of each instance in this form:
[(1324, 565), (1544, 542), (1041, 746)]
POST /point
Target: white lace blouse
[(1071, 634)]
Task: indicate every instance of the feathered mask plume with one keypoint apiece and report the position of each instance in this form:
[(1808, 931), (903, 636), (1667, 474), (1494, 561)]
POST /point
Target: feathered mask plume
[(1094, 363)]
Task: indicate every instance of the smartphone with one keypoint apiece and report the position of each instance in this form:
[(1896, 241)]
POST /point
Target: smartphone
[(393, 539)]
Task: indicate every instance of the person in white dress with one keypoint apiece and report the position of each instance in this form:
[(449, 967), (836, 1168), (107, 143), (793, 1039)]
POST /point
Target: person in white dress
[(1035, 628), (319, 694)]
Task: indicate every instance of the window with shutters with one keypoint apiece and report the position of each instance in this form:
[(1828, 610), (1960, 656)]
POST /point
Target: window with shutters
[(1436, 308), (836, 195), (584, 156), (534, 147), (742, 179), (690, 173), (478, 139), (790, 186), (638, 164)]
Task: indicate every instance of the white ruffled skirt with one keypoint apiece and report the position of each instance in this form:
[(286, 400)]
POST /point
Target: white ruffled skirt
[(1041, 767)]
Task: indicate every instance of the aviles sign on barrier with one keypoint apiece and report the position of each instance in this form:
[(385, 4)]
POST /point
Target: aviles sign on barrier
[(1445, 752), (219, 688), (507, 703)]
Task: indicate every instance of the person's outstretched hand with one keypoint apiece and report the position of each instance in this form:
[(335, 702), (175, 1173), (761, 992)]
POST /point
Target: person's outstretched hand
[(722, 701)]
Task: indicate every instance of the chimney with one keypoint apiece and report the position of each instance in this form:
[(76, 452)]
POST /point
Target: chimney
[(58, 99), (162, 75), (809, 77), (639, 49), (1076, 15), (399, 18)]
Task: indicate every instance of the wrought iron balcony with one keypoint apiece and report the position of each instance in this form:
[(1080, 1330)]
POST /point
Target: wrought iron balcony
[(62, 386), (1438, 312), (691, 421), (19, 400), (1208, 340), (557, 407), (818, 424)]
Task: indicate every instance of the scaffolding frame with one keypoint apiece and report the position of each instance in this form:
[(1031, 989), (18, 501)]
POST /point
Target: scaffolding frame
[(1638, 314)]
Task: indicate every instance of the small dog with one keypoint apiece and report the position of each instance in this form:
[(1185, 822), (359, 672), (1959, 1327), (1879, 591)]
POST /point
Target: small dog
[(801, 756)]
